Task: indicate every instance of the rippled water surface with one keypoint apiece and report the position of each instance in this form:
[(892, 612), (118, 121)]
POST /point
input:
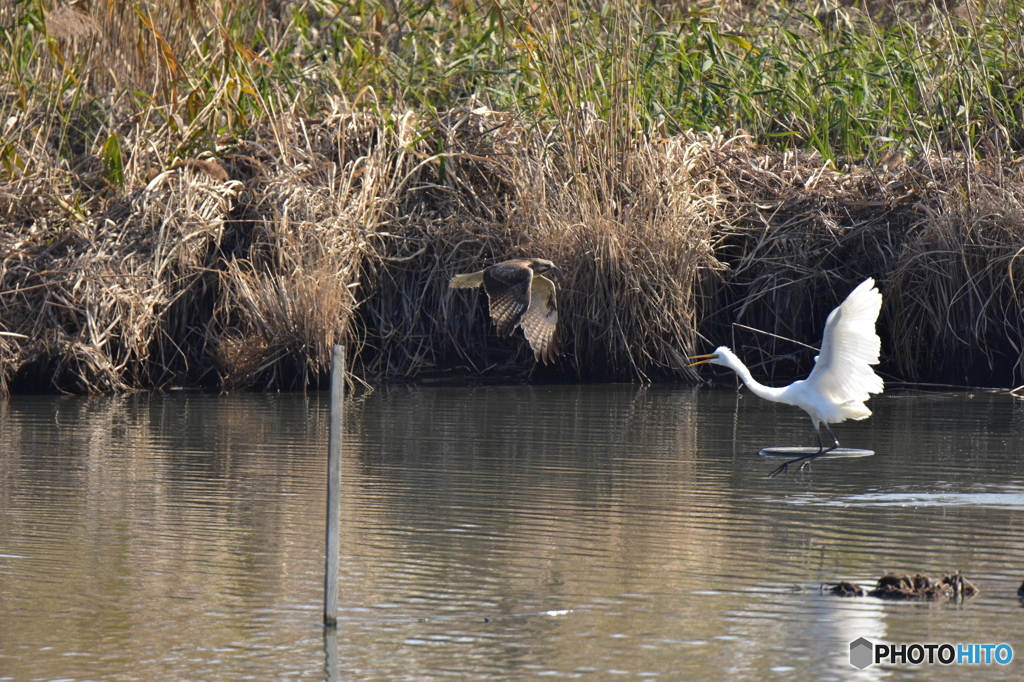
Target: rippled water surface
[(498, 533)]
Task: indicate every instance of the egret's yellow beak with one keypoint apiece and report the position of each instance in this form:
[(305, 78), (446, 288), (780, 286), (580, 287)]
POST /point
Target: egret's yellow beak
[(701, 359)]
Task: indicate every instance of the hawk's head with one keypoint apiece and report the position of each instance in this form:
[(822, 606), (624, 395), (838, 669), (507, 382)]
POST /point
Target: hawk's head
[(542, 265)]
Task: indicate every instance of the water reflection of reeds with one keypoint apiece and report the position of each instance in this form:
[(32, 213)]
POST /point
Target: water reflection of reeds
[(499, 531)]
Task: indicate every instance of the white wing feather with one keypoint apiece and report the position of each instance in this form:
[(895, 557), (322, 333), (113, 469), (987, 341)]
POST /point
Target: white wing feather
[(849, 347)]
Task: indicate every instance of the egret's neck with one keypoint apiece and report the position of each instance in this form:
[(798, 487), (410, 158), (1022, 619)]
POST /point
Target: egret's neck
[(756, 387)]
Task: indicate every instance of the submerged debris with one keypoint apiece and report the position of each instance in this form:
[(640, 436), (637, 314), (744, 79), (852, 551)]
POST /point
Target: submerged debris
[(900, 586), (844, 588)]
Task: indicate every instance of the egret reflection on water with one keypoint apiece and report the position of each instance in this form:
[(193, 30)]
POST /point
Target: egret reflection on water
[(842, 378)]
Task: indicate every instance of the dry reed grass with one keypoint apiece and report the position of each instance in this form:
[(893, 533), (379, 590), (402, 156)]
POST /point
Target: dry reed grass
[(956, 309), (632, 239), (110, 302), (289, 290), (347, 229), (942, 235)]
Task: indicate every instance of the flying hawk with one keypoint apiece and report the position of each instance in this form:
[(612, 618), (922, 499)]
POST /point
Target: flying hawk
[(520, 296)]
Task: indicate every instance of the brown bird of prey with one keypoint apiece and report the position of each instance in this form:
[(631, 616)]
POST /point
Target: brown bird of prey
[(520, 296)]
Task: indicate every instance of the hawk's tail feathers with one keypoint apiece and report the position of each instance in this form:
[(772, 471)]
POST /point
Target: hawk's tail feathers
[(473, 279)]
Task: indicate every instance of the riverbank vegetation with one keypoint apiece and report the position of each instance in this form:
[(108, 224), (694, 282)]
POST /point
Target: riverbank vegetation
[(203, 194)]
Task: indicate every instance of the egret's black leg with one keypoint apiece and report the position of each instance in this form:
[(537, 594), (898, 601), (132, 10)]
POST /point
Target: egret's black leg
[(834, 439), (806, 459), (785, 465)]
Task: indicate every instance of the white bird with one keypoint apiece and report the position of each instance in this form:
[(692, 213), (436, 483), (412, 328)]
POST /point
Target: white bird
[(842, 378)]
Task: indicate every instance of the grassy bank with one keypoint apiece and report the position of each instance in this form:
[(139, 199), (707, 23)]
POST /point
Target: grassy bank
[(362, 153)]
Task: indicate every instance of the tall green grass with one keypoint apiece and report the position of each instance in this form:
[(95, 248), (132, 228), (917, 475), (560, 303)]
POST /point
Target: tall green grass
[(915, 77), (188, 75)]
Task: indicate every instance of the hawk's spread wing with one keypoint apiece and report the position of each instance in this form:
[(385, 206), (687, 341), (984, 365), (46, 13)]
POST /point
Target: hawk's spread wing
[(508, 293), (540, 322)]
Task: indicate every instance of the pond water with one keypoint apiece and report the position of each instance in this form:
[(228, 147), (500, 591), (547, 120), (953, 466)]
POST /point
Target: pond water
[(499, 533)]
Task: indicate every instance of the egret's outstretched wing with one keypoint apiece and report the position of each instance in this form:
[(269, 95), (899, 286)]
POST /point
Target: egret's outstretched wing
[(849, 347), (508, 293), (540, 321)]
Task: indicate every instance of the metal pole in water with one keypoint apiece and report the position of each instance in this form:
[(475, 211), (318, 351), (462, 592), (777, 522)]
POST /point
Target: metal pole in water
[(334, 486)]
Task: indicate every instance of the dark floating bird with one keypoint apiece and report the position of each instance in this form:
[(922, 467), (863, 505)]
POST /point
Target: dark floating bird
[(519, 295), (842, 378)]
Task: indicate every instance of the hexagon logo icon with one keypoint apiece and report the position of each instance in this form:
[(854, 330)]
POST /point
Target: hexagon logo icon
[(861, 653)]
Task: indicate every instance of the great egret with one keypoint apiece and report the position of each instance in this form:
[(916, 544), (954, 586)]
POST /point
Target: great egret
[(842, 378), (520, 296)]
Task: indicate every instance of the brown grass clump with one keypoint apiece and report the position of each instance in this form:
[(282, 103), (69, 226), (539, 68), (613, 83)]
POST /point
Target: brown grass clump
[(956, 311), (70, 23), (802, 234), (632, 243), (635, 239), (942, 236), (243, 270), (289, 290), (104, 303), (256, 277)]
